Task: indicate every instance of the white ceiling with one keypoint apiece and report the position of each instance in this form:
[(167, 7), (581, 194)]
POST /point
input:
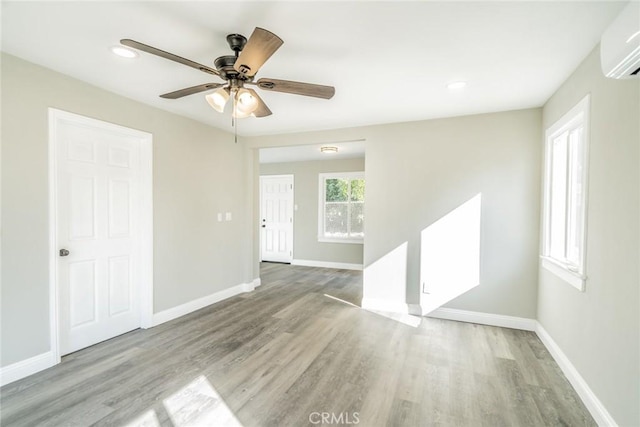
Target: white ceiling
[(389, 61), (301, 153)]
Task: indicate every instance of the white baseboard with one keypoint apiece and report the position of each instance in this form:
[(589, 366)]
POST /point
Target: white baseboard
[(378, 304), (590, 400), (257, 282), (24, 368), (197, 304), (512, 322), (326, 264)]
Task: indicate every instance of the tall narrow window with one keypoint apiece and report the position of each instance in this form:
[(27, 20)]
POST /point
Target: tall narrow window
[(341, 207), (565, 191)]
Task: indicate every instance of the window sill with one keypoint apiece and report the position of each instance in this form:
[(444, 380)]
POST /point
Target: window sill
[(573, 278), (351, 241)]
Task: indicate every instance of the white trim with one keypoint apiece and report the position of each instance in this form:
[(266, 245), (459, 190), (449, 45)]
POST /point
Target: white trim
[(378, 304), (292, 209), (480, 318), (54, 347), (322, 177), (326, 264), (589, 398), (146, 219), (579, 114), (575, 279), (197, 304), (256, 282), (30, 366), (146, 232), (415, 309), (338, 240)]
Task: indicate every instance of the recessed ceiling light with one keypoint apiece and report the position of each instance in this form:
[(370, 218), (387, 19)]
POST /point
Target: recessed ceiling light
[(329, 149), (124, 52), (456, 85)]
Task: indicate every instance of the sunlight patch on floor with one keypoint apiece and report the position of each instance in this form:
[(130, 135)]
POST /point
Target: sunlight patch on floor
[(199, 404), (341, 300), (407, 319), (148, 419)]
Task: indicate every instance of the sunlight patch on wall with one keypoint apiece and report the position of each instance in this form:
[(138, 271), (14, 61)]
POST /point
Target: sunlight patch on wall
[(450, 255), (385, 281)]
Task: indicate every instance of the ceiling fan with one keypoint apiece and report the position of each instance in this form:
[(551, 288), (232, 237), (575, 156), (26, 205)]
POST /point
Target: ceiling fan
[(237, 71)]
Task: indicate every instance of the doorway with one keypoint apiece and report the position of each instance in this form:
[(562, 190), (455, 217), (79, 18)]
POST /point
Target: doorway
[(101, 230), (276, 218)]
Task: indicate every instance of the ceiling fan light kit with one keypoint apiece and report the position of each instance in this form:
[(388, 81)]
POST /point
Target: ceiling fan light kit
[(218, 99), (238, 70)]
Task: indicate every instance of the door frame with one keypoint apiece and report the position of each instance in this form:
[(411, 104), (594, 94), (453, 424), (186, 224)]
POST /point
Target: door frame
[(145, 219), (293, 208)]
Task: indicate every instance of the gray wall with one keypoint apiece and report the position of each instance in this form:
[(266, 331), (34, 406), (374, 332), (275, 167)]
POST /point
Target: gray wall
[(198, 171), (599, 329), (417, 172), (306, 245)]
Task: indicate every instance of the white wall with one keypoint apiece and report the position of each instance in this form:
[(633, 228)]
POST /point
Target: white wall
[(417, 172), (198, 171), (599, 329), (306, 246)]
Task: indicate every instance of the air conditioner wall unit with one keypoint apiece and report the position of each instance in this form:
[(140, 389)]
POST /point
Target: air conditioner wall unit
[(620, 44)]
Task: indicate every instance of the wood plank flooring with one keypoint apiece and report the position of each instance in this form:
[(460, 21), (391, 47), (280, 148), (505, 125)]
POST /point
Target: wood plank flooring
[(297, 351)]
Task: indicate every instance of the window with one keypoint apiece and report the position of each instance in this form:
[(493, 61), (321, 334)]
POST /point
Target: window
[(341, 207), (565, 190)]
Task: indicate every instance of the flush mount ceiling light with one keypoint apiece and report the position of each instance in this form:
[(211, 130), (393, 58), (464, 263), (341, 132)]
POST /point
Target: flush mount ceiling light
[(456, 85), (329, 149), (124, 52)]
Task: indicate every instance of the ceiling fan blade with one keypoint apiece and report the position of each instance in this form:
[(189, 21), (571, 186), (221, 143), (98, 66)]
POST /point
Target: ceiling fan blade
[(262, 110), (260, 46), (297, 88), (170, 56), (191, 90)]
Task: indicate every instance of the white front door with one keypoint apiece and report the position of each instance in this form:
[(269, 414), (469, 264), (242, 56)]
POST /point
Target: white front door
[(98, 195), (276, 218)]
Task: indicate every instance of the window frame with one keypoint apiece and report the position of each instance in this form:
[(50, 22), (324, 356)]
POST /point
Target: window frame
[(575, 275), (322, 177)]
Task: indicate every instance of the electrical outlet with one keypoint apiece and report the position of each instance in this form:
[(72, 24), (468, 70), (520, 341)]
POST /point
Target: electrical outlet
[(227, 216)]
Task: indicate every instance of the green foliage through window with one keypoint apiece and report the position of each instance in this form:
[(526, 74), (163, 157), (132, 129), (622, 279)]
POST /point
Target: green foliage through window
[(343, 210)]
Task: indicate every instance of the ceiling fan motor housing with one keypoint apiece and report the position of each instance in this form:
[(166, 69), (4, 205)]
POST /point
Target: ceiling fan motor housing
[(224, 64), (236, 42)]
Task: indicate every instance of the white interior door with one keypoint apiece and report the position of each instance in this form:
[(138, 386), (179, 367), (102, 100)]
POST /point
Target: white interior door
[(98, 234), (276, 218)]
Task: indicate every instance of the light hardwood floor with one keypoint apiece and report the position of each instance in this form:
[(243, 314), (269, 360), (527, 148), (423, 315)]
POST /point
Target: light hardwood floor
[(294, 351)]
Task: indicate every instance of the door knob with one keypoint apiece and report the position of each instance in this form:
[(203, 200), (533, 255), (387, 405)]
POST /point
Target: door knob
[(64, 252)]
